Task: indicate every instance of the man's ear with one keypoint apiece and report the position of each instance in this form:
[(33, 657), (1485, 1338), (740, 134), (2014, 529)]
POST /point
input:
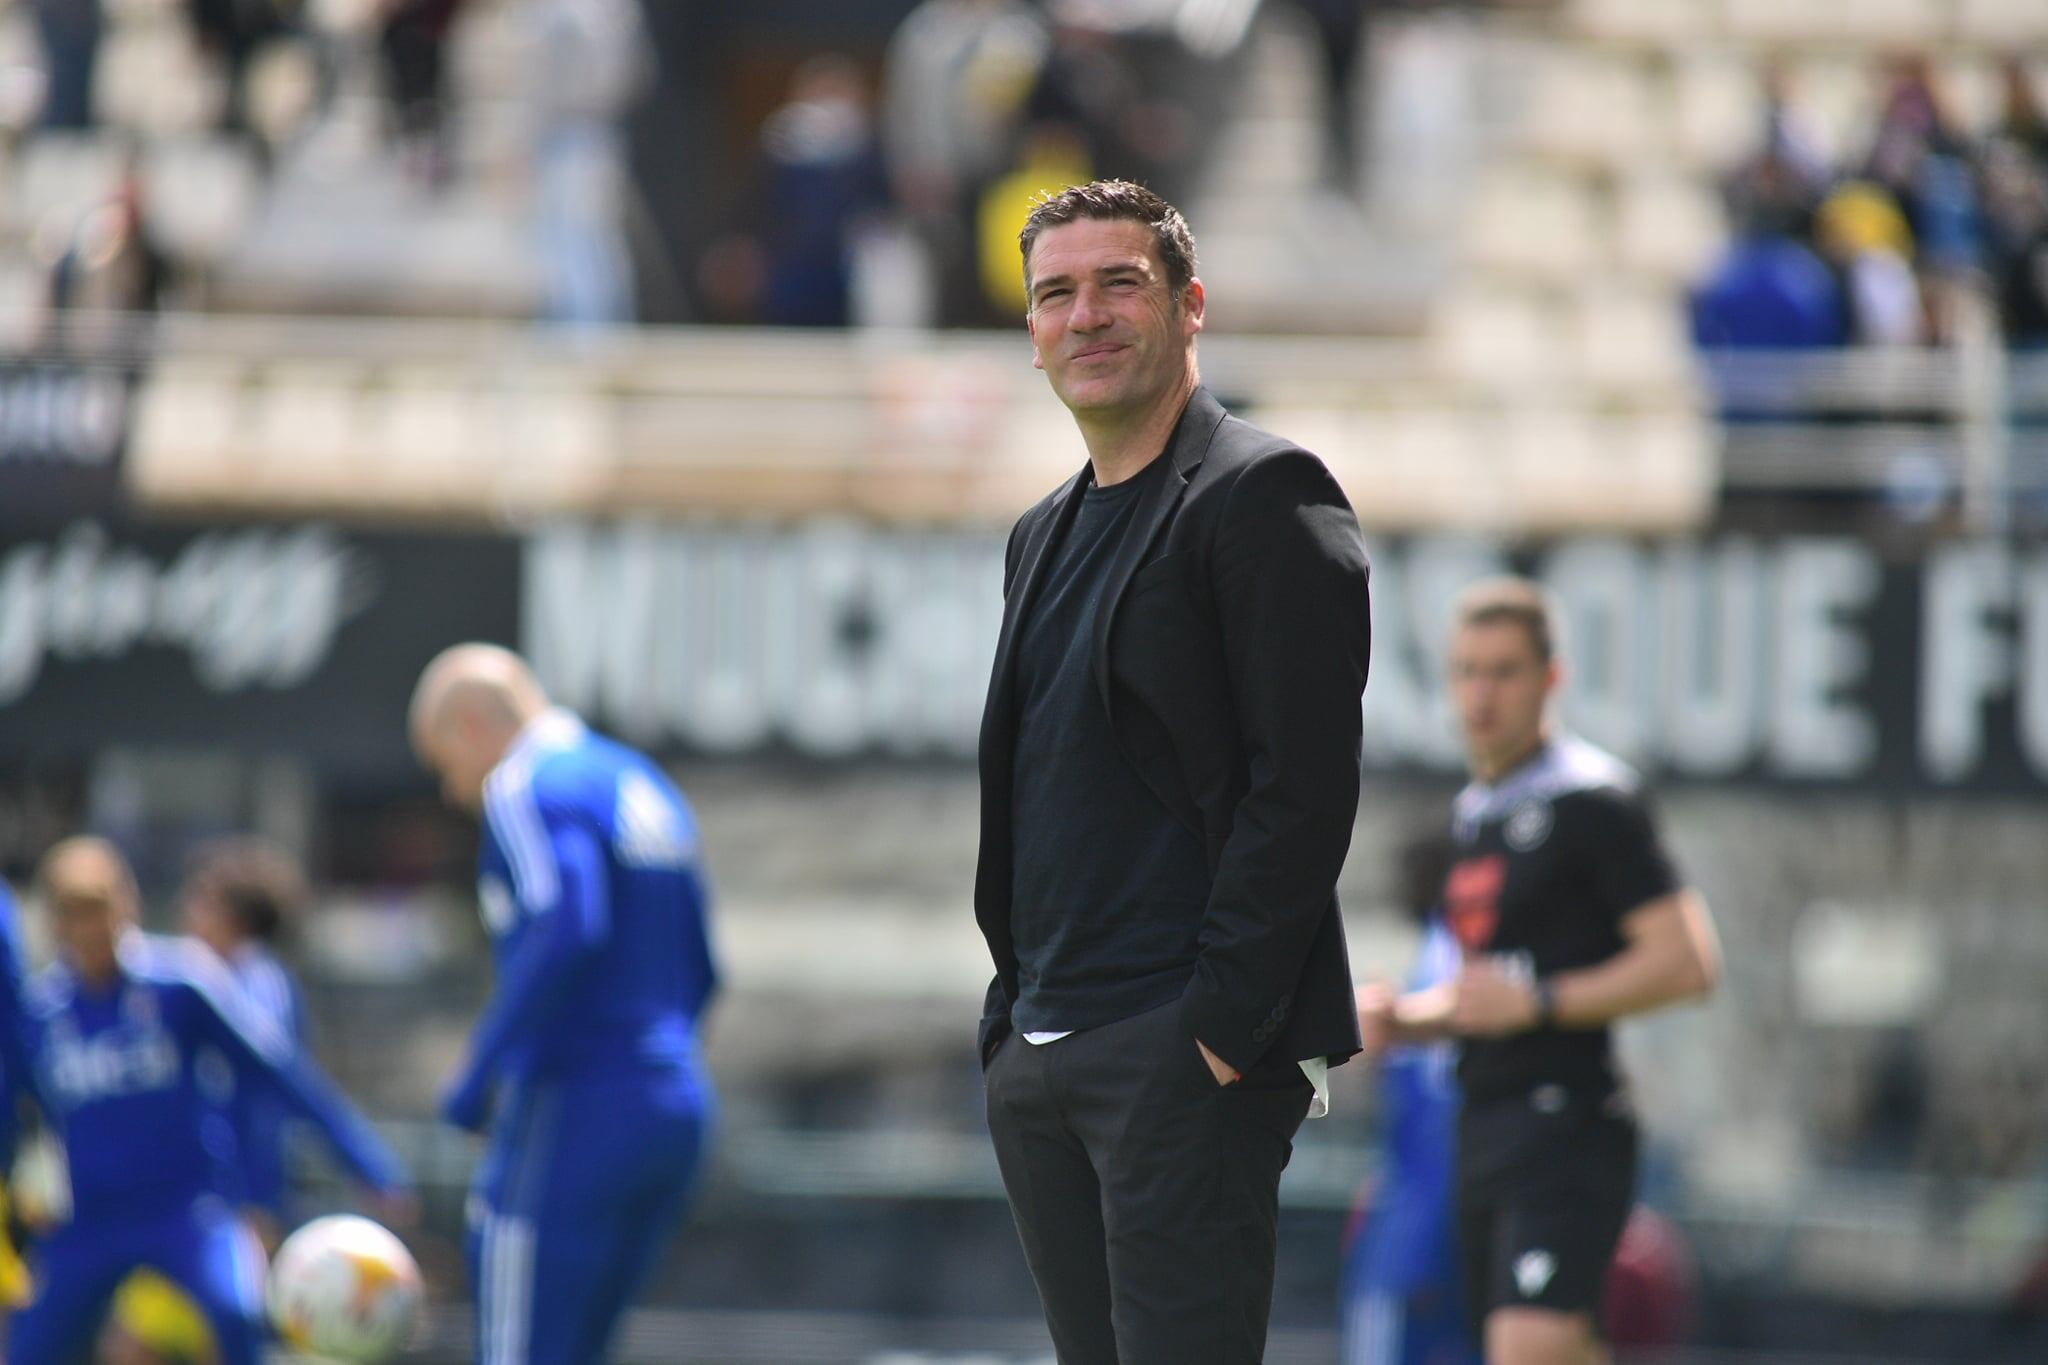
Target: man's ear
[(1031, 326), (1193, 303)]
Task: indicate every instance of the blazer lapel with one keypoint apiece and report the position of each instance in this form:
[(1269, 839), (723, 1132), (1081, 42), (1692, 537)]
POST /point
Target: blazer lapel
[(1190, 444), (1031, 566)]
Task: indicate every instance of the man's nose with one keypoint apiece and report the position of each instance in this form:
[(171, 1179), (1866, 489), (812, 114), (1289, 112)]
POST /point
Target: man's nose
[(1088, 313)]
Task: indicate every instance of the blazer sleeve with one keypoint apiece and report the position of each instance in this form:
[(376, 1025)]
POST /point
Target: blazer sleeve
[(1289, 575)]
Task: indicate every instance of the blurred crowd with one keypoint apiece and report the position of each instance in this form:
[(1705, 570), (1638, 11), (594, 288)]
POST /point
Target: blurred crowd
[(903, 208), (882, 185), (282, 66), (411, 38), (1884, 246)]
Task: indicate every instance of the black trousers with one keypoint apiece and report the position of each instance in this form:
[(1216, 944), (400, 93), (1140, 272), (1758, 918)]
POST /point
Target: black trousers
[(1146, 1195)]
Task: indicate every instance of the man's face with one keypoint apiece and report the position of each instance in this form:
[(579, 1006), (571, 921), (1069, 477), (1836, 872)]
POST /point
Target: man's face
[(1500, 688), (1105, 325), (206, 917), (90, 905)]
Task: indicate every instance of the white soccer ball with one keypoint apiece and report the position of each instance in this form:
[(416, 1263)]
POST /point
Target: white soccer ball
[(345, 1288)]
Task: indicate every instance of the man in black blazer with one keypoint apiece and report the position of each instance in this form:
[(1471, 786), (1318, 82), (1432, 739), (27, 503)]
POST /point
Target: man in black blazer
[(1169, 773)]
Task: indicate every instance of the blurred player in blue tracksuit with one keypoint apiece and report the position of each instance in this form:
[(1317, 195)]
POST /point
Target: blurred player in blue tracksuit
[(1403, 1300), (18, 1080), (585, 1061), (238, 895), (119, 1027)]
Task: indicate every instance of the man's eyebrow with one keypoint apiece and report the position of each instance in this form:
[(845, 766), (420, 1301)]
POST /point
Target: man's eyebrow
[(1134, 266)]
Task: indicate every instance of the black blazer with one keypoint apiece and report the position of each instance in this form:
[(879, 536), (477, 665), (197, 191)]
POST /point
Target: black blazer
[(1231, 655)]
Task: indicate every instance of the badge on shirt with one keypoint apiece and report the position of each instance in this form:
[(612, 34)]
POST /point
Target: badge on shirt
[(1529, 826)]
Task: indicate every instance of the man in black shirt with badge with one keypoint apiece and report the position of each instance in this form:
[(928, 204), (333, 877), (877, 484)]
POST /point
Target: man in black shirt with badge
[(1571, 916), (1169, 765)]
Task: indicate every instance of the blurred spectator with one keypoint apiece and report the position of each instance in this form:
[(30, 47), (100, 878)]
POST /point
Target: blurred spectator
[(957, 75), (1778, 188), (1768, 292), (1090, 86), (1052, 159), (2021, 120), (107, 271), (821, 179), (1915, 137), (594, 62), (1402, 1296), (232, 31), (1340, 29), (1652, 1291), (413, 37), (1865, 238), (70, 32), (1927, 220), (2016, 213)]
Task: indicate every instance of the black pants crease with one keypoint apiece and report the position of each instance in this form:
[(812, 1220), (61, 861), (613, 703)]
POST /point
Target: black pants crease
[(1146, 1196)]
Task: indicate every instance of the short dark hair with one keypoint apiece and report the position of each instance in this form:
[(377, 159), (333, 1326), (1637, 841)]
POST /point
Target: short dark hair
[(1518, 601), (259, 884), (1111, 201)]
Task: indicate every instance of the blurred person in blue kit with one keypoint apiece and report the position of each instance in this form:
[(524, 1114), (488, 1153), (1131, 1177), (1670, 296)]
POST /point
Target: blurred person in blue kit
[(1404, 1303), (1169, 775), (238, 899), (593, 62), (70, 32), (1570, 915), (19, 1082), (122, 1028), (585, 1065)]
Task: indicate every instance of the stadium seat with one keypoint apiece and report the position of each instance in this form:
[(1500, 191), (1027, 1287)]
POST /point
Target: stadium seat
[(1630, 340), (1528, 223), (312, 409), (422, 422), (1716, 102), (189, 426), (201, 193), (1868, 24), (151, 78), (1426, 471), (21, 82), (1491, 335), (1669, 227), (1836, 97), (57, 178), (1972, 87), (1579, 107), (1673, 24), (2001, 24), (1546, 459)]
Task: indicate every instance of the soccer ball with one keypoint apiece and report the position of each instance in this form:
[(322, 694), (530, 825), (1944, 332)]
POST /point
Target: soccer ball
[(345, 1288)]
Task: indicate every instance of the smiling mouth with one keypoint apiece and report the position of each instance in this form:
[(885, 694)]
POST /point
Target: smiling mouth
[(1096, 352)]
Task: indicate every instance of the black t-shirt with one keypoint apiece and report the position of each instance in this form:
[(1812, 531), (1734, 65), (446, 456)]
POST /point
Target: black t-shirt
[(1109, 889), (1547, 863)]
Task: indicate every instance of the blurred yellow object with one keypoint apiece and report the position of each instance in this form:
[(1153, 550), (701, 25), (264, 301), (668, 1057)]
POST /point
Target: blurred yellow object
[(160, 1317), (1863, 217), (14, 1282), (1051, 163)]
